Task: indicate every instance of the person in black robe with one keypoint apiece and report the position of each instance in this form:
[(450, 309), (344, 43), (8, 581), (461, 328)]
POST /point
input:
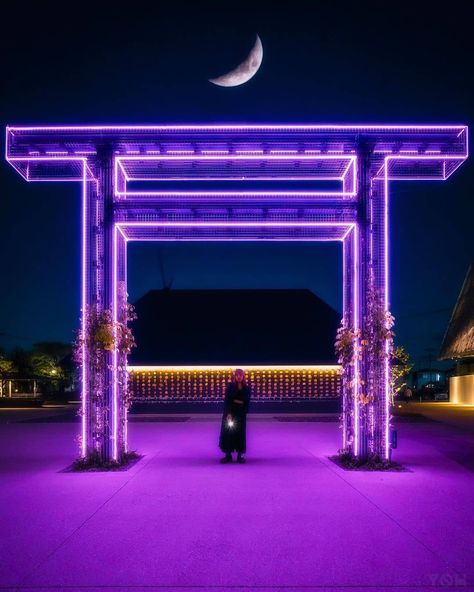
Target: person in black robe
[(234, 419)]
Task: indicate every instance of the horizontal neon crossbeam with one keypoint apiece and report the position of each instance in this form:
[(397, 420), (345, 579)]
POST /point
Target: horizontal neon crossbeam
[(152, 368), (237, 168), (243, 127)]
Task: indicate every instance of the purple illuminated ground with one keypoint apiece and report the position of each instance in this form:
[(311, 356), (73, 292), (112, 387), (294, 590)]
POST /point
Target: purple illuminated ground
[(287, 520)]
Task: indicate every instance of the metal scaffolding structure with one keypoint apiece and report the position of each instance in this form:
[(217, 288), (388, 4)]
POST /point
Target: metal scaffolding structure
[(245, 183)]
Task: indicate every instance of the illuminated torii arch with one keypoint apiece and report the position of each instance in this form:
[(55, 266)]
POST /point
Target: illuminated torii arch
[(235, 182)]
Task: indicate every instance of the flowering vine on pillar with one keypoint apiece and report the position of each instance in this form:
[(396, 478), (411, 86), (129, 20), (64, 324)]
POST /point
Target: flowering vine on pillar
[(365, 356), (347, 346), (100, 336), (376, 354)]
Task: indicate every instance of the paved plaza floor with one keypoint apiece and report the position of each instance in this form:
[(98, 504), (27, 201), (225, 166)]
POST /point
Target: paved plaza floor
[(287, 520)]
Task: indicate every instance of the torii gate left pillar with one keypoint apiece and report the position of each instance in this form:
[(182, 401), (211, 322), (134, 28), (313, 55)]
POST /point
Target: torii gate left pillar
[(104, 289)]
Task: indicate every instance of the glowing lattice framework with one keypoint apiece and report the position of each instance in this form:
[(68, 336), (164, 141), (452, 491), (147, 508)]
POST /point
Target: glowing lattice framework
[(236, 182)]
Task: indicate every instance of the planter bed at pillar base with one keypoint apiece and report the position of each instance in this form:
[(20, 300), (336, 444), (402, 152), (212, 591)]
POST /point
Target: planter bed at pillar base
[(349, 462), (82, 465)]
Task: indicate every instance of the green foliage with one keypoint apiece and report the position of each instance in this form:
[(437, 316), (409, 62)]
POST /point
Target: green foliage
[(400, 368), (7, 366), (45, 366), (45, 359)]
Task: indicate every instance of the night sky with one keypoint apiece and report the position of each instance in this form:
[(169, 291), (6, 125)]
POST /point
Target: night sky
[(323, 62)]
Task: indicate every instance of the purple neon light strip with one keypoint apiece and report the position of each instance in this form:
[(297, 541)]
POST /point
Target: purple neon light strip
[(237, 177), (119, 167), (349, 230), (84, 396), (355, 275), (244, 127), (344, 312), (281, 155), (114, 353), (459, 159), (27, 159), (125, 272), (236, 194), (351, 166), (46, 158), (386, 302), (236, 224), (119, 164), (122, 226), (121, 232), (251, 239), (382, 173)]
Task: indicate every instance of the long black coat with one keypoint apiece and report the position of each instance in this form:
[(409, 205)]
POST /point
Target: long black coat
[(234, 438)]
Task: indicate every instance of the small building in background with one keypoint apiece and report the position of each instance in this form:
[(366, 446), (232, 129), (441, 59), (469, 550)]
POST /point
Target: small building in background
[(458, 344), (189, 341), (429, 384)]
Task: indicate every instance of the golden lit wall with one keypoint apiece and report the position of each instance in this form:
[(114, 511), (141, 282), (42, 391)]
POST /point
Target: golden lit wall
[(207, 383), (461, 389)]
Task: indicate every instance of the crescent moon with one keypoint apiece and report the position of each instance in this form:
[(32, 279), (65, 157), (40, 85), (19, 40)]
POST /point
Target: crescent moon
[(244, 71)]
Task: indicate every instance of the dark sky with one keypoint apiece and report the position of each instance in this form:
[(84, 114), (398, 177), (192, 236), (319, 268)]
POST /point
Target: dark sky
[(324, 62)]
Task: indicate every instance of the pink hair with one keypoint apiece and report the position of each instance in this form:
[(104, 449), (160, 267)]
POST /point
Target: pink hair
[(244, 381)]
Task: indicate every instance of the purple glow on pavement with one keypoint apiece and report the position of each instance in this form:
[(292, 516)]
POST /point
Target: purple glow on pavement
[(286, 488)]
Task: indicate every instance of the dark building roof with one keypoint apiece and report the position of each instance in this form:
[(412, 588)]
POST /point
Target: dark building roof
[(233, 327), (458, 341)]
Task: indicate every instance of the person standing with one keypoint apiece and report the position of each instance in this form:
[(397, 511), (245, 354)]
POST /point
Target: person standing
[(234, 418)]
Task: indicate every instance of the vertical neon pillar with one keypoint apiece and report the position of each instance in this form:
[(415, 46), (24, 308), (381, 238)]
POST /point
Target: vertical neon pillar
[(120, 376), (372, 274), (107, 245), (99, 397), (352, 320), (85, 240)]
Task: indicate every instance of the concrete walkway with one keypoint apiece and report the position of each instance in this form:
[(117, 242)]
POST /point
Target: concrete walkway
[(287, 520)]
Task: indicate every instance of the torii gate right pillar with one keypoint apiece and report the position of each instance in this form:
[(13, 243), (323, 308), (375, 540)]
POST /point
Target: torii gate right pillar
[(367, 391)]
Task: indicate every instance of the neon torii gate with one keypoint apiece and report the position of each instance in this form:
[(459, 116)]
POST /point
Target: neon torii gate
[(235, 182)]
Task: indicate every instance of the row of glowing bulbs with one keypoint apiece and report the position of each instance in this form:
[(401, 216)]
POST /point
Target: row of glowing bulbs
[(265, 382)]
